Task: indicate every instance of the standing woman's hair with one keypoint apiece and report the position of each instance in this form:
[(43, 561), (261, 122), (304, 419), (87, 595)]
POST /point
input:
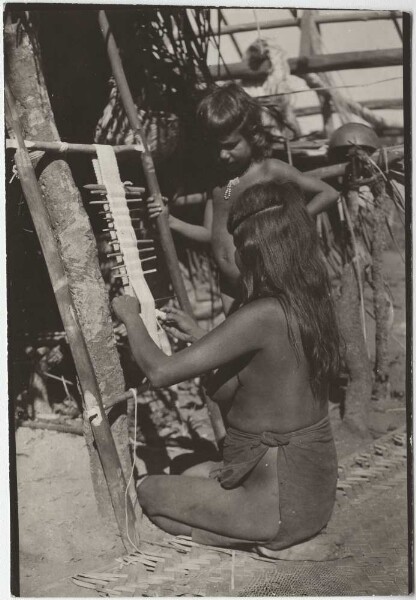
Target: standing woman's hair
[(227, 108), (280, 256)]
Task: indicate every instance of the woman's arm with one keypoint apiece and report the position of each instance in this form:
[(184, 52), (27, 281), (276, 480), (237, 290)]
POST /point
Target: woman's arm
[(197, 233), (222, 242), (319, 195), (180, 325), (243, 332)]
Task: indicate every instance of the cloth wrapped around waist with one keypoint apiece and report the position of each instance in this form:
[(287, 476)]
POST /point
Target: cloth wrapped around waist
[(307, 473)]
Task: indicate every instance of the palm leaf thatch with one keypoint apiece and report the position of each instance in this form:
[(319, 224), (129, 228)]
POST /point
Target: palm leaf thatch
[(164, 52)]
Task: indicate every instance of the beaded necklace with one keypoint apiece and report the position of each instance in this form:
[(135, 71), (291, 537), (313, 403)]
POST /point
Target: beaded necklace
[(233, 182)]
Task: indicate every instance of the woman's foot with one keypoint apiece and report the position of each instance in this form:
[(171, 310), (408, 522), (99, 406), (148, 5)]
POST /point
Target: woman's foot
[(322, 547)]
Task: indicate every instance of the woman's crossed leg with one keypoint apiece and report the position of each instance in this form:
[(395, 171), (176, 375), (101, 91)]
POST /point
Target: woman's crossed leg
[(178, 503)]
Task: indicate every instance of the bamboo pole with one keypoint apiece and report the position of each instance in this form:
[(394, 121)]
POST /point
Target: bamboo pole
[(397, 27), (89, 149), (300, 147), (310, 45), (149, 170), (69, 427), (147, 163), (233, 40), (69, 148), (350, 16), (313, 64), (378, 104), (128, 395), (94, 411), (393, 153)]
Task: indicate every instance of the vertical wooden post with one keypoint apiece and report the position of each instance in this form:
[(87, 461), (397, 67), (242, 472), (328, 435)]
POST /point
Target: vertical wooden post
[(351, 319), (113, 472), (309, 45), (306, 24), (381, 368), (147, 163)]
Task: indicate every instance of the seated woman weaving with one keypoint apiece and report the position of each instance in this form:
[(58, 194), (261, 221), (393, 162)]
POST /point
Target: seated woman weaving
[(273, 358)]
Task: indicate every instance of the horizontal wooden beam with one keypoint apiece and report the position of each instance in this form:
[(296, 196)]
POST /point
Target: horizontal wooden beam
[(312, 64), (299, 147), (380, 104), (66, 147), (352, 15), (69, 427), (393, 153)]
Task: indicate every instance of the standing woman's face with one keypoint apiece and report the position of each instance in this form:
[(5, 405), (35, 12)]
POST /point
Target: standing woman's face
[(234, 153)]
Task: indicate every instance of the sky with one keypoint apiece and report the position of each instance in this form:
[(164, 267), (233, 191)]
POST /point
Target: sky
[(336, 37)]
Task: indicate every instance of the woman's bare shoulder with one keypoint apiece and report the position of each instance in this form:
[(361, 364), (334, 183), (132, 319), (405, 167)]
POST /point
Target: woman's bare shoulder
[(266, 311), (275, 167)]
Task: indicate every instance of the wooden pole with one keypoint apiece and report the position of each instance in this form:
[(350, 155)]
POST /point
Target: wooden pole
[(69, 148), (147, 164), (307, 21), (350, 16), (397, 27), (314, 64), (310, 45), (393, 153), (378, 104), (232, 37), (149, 170), (300, 148), (113, 472), (381, 387), (72, 428)]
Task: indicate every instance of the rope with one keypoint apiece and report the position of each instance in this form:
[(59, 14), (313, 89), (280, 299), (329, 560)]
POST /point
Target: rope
[(332, 87), (34, 155), (257, 23)]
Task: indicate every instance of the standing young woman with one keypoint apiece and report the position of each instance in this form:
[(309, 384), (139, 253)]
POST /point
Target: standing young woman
[(273, 359), (231, 122)]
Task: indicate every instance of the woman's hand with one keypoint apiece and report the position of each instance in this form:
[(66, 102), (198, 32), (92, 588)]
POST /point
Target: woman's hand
[(126, 308), (180, 325), (154, 208)]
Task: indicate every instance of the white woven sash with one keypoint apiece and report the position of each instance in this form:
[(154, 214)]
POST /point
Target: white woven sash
[(107, 173)]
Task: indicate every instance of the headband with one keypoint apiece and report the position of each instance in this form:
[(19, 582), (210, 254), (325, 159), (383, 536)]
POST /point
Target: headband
[(251, 214)]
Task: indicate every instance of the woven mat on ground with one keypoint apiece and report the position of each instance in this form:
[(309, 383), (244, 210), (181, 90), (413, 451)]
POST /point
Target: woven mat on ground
[(370, 517)]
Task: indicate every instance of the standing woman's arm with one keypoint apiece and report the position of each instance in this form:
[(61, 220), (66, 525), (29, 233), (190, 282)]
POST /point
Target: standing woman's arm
[(222, 241), (319, 195)]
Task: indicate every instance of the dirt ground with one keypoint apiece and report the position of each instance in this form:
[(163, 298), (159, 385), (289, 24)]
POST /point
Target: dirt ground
[(60, 531)]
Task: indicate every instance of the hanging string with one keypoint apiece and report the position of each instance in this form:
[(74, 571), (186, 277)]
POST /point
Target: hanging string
[(65, 387), (257, 23), (232, 570), (135, 400), (219, 41), (333, 87)]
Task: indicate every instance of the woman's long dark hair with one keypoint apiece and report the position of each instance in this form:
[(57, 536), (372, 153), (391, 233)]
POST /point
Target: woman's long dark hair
[(227, 108), (280, 256)]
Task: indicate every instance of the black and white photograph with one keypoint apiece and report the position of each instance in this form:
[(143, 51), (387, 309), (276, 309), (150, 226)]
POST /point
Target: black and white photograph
[(207, 227)]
